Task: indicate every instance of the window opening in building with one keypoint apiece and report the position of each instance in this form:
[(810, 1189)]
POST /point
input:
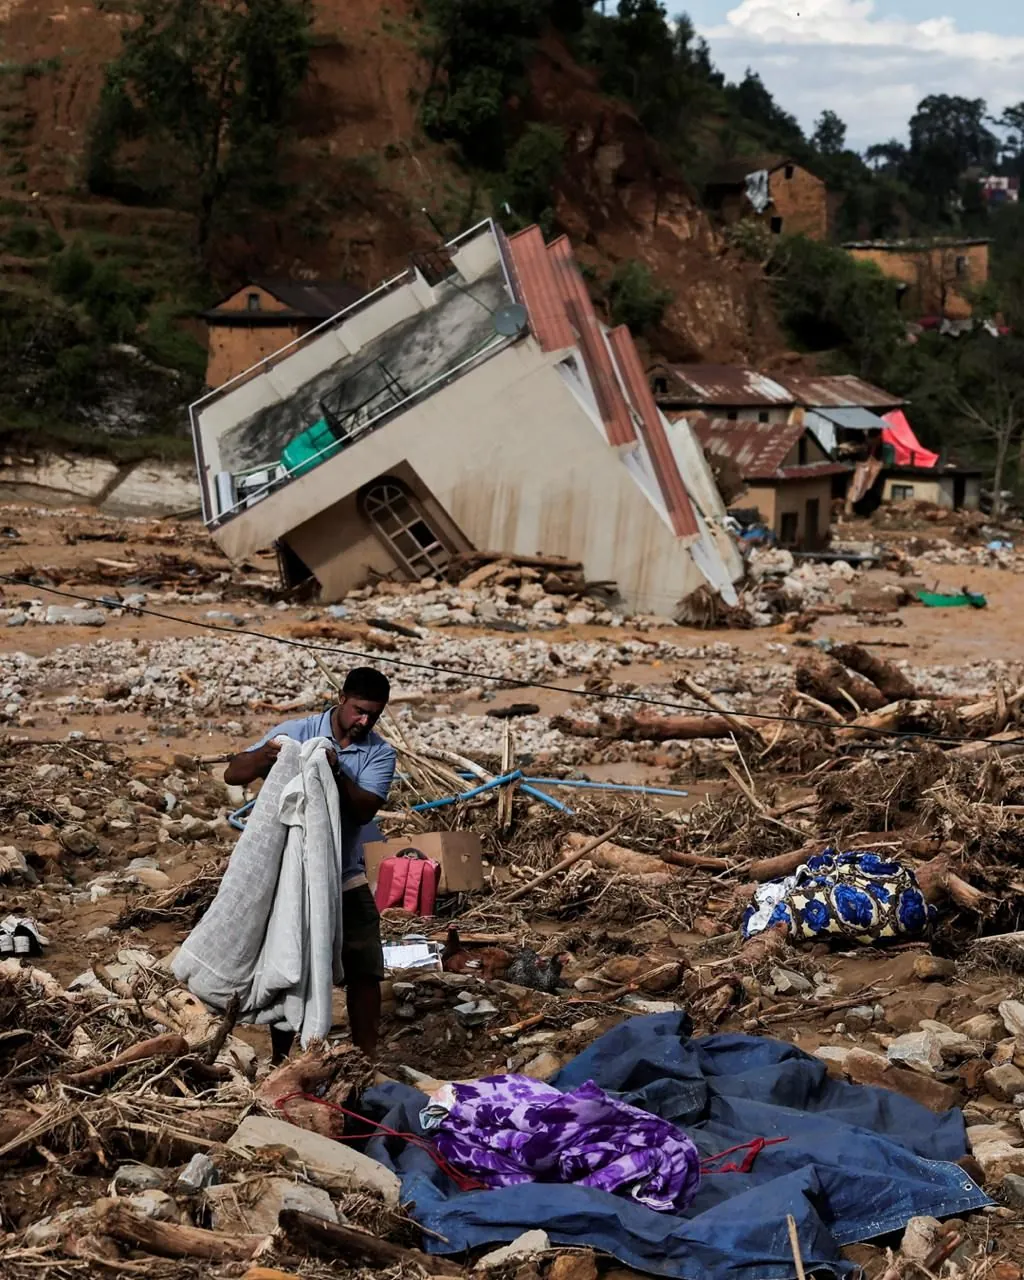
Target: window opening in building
[(733, 414), (801, 451), (789, 528), (763, 415), (776, 225), (961, 265), (253, 302), (902, 492), (789, 172), (401, 522)]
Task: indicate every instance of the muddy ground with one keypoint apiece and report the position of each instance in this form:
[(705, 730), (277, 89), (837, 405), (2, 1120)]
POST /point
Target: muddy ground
[(123, 830)]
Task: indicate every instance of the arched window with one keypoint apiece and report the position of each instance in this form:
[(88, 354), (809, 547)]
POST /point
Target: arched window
[(399, 520)]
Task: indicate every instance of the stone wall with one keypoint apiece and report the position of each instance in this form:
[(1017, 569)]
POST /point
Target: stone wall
[(138, 488)]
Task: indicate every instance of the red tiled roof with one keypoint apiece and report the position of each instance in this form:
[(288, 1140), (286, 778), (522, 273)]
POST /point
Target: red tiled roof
[(580, 308), (670, 482), (540, 290)]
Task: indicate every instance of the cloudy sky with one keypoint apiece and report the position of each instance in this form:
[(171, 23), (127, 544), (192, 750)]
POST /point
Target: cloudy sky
[(871, 61)]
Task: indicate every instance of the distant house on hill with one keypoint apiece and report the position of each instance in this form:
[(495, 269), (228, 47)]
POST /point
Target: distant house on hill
[(938, 274), (264, 316), (773, 190)]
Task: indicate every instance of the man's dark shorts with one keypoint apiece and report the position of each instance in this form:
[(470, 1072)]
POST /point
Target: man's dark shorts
[(361, 951)]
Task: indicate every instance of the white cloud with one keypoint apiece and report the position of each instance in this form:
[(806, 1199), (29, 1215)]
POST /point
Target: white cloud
[(871, 70)]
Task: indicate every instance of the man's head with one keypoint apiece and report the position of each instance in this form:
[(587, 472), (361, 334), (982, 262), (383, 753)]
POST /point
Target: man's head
[(364, 695)]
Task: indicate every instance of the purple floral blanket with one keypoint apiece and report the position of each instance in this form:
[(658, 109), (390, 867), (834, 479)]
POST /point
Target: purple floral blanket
[(508, 1130)]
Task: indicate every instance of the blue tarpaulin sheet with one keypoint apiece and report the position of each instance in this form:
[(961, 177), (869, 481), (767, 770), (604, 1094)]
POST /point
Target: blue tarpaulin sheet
[(858, 1162)]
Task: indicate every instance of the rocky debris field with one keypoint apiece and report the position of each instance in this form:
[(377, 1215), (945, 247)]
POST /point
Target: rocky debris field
[(140, 1132)]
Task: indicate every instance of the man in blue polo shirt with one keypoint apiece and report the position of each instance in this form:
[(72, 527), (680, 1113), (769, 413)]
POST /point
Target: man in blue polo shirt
[(364, 766)]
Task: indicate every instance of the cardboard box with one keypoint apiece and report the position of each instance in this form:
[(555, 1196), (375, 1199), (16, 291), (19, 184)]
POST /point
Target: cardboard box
[(459, 853)]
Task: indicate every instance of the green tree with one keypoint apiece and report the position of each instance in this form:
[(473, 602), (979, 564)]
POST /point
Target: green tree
[(208, 86), (829, 134), (533, 163), (830, 302), (948, 134), (633, 297), (989, 397)]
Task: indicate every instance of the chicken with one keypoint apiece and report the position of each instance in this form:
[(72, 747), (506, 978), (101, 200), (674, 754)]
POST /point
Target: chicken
[(527, 969), (483, 962)]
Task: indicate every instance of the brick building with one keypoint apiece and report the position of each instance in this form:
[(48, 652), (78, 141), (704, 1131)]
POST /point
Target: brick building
[(773, 190), (264, 316), (939, 275)]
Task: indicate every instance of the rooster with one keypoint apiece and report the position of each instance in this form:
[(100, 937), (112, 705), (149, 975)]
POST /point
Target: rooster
[(523, 967), (485, 962)]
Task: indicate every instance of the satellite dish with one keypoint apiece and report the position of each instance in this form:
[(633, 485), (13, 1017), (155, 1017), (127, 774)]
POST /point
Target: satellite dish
[(510, 321)]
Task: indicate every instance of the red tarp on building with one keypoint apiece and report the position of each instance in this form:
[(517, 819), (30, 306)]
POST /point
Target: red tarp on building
[(909, 450)]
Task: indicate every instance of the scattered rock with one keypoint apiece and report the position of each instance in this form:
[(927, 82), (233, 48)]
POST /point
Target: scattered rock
[(528, 1245), (200, 1172), (789, 983), (345, 1165), (573, 1266), (920, 1238), (543, 1067), (930, 968), (864, 1067), (1005, 1082), (918, 1050), (138, 1177), (986, 1027), (997, 1159), (235, 1212), (1012, 1014), (1011, 1190), (155, 1204)]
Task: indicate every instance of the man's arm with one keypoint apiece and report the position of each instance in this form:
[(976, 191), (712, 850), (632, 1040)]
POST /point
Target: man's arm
[(363, 802), (247, 766)]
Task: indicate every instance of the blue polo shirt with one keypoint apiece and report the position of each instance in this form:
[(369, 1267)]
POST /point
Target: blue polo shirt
[(369, 764)]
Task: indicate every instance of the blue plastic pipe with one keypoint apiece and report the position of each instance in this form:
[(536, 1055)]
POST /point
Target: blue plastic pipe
[(526, 789), (236, 818), (583, 784), (514, 776)]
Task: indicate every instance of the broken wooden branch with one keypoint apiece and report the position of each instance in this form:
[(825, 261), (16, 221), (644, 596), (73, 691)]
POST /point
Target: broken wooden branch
[(565, 863), (887, 679), (310, 1234), (830, 682), (172, 1240), (741, 727), (167, 1046)]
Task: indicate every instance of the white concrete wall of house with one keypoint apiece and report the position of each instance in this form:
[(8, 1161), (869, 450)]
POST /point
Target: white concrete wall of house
[(514, 459), (474, 258), (700, 485), (972, 493), (308, 359)]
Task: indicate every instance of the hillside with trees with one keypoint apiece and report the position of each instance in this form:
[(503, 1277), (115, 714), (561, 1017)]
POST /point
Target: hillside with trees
[(158, 152)]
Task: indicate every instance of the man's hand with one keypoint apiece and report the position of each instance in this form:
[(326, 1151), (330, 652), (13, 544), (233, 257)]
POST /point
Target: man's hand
[(247, 766)]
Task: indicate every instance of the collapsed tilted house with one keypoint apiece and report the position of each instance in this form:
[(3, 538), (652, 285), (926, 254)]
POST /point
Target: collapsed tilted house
[(474, 401)]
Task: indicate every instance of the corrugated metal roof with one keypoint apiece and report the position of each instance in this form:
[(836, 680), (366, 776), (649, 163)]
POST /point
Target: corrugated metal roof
[(810, 471), (670, 482), (580, 310), (540, 290), (853, 418), (757, 448), (727, 385), (837, 391)]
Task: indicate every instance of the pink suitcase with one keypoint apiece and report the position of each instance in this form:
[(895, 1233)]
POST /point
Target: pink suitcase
[(408, 880)]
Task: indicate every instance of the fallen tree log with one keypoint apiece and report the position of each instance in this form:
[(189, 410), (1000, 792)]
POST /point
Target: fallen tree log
[(615, 857), (889, 680), (116, 1219), (168, 1046), (644, 728), (677, 858), (784, 864), (580, 852), (328, 1240), (920, 716), (830, 682)]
